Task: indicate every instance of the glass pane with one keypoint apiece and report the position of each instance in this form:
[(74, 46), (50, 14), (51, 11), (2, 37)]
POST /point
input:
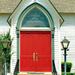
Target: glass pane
[(35, 18), (5, 44), (65, 45)]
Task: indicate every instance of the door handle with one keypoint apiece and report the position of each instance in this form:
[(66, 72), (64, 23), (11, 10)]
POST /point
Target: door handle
[(36, 56), (33, 56)]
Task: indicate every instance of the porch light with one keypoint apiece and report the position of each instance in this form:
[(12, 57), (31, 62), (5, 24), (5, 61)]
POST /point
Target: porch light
[(5, 43), (65, 43)]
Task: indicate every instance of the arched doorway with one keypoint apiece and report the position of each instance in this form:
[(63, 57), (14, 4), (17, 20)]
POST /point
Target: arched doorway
[(34, 25)]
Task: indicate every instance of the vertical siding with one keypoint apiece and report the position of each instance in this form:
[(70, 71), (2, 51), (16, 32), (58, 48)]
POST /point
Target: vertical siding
[(68, 30)]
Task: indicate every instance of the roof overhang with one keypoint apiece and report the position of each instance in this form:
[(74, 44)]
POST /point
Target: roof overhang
[(61, 20)]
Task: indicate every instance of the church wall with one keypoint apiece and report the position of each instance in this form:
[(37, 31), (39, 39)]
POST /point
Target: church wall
[(68, 30)]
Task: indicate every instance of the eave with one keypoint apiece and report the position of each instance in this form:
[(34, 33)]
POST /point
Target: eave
[(61, 20)]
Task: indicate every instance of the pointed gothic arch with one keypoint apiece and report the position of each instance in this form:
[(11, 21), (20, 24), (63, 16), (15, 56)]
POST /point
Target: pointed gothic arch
[(47, 20)]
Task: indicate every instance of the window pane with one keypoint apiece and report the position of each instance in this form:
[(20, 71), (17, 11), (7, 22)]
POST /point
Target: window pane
[(35, 18)]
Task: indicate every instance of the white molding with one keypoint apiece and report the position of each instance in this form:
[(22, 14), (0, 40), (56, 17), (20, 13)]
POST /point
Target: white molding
[(35, 29), (11, 33), (59, 47), (36, 72)]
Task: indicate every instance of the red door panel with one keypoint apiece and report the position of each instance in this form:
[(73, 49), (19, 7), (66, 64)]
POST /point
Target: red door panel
[(26, 52), (44, 52), (35, 51)]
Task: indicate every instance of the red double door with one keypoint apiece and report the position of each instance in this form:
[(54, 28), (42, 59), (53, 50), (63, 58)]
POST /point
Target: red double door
[(35, 51)]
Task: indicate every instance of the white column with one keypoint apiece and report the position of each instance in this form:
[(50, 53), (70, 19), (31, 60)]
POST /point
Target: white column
[(11, 34), (59, 45)]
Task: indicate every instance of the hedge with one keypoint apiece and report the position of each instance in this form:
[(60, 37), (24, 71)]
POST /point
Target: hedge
[(67, 73), (68, 66)]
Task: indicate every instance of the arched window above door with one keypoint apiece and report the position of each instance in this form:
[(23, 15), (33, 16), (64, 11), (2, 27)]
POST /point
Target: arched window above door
[(35, 18)]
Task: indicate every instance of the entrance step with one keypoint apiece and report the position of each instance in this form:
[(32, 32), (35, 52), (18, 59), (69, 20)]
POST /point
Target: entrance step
[(32, 74)]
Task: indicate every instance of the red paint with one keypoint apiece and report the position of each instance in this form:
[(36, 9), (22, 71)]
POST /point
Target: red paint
[(35, 42)]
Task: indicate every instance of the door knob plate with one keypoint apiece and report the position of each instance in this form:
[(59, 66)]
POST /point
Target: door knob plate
[(36, 56), (33, 56)]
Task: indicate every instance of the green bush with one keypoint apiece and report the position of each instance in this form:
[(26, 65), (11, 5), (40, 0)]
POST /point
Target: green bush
[(9, 54), (68, 73), (74, 74), (68, 66)]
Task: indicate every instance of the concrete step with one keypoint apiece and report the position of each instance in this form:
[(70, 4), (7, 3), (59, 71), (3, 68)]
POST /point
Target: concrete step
[(33, 74)]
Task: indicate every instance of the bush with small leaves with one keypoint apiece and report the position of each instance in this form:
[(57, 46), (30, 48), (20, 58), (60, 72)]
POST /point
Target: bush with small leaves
[(68, 66)]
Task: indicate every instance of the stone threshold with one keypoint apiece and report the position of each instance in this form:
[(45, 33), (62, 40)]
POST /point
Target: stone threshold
[(33, 74)]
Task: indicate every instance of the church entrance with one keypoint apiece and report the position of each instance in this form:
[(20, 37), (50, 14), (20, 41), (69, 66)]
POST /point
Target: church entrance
[(35, 51)]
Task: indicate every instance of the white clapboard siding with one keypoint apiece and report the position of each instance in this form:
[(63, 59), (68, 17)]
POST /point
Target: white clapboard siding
[(68, 30), (14, 45), (56, 49)]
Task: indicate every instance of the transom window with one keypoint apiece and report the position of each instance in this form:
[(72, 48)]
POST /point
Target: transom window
[(35, 18)]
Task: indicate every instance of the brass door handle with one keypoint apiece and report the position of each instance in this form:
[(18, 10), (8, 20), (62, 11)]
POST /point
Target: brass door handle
[(33, 56), (36, 56)]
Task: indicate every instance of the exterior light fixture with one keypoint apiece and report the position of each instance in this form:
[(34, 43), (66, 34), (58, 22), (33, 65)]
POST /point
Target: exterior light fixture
[(5, 44), (65, 44)]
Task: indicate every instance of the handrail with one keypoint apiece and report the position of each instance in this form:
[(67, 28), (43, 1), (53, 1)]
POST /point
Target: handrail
[(54, 68), (16, 68)]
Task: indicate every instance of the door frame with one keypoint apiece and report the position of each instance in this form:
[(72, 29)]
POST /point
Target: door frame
[(52, 29)]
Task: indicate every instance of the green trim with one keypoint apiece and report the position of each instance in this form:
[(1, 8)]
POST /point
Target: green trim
[(52, 39), (52, 27), (18, 44)]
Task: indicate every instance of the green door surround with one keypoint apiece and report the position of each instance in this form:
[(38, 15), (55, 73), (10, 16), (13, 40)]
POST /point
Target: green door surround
[(52, 27)]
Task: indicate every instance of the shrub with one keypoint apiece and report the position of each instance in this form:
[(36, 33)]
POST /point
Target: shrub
[(68, 66), (2, 57), (74, 74), (68, 73)]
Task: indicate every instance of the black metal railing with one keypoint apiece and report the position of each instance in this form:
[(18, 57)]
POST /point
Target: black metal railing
[(54, 68), (16, 71)]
